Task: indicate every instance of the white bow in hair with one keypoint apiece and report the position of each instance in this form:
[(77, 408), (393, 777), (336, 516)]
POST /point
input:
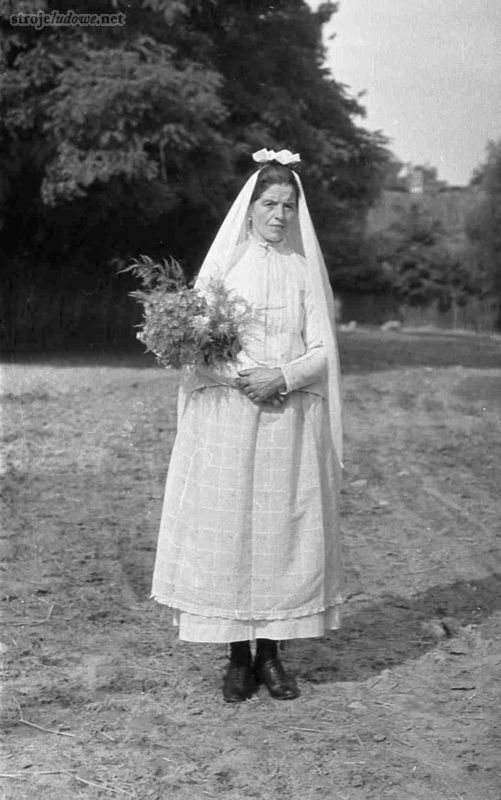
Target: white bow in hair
[(283, 156)]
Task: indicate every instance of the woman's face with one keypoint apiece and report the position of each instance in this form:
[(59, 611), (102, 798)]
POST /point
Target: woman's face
[(272, 213)]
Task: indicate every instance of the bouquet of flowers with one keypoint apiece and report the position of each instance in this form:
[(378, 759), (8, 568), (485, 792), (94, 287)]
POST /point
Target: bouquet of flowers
[(182, 325)]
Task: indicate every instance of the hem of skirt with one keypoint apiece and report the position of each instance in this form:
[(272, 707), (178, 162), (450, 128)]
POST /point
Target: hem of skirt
[(264, 616), (251, 630)]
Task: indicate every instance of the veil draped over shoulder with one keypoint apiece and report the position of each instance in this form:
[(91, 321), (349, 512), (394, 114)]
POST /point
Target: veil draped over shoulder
[(222, 256)]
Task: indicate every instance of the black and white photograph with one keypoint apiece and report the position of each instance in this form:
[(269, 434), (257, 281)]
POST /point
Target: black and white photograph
[(250, 400)]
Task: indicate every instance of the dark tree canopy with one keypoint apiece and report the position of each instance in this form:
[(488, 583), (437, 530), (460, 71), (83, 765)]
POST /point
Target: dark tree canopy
[(484, 228), (422, 263), (128, 139)]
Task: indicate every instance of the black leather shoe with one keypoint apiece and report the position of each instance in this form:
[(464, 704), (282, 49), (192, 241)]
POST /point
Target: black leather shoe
[(271, 673), (239, 683)]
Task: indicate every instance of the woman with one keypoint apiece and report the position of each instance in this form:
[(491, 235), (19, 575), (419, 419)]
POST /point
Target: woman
[(249, 538)]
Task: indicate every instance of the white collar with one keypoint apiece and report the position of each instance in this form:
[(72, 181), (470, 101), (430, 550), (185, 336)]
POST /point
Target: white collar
[(282, 246)]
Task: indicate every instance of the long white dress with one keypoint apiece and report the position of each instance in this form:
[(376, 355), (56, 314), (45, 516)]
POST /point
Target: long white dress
[(249, 536)]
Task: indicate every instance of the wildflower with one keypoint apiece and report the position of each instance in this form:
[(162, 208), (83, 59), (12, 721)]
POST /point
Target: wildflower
[(182, 325)]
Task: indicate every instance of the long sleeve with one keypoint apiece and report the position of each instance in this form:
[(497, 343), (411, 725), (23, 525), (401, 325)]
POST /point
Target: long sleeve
[(210, 376), (309, 367), (283, 331), (223, 374)]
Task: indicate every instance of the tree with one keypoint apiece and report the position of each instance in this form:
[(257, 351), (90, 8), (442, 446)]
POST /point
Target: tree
[(125, 125), (421, 264), (117, 141), (484, 224)]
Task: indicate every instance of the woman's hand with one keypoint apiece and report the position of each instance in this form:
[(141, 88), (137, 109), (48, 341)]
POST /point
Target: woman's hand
[(262, 384)]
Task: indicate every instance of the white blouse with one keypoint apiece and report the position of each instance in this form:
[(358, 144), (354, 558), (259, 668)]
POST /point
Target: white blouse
[(283, 330)]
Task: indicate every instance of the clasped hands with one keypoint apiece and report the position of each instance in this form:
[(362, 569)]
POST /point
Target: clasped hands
[(262, 384)]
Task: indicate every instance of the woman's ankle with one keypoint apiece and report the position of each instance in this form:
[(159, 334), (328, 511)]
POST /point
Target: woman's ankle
[(266, 649), (240, 653)]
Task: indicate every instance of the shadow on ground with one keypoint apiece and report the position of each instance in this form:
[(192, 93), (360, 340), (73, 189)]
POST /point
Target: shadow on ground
[(396, 629), (375, 635)]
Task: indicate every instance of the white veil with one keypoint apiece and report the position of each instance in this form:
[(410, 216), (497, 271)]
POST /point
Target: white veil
[(222, 255)]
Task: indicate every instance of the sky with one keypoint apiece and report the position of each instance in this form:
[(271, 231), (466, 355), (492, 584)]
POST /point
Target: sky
[(431, 70)]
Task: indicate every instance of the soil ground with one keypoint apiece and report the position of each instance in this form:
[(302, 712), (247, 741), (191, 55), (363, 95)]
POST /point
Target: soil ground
[(101, 700)]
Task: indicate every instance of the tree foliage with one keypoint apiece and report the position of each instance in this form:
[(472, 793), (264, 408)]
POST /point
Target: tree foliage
[(116, 141), (422, 264), (484, 225)]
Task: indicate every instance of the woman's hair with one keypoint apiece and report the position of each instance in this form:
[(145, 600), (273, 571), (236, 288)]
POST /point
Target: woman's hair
[(271, 174)]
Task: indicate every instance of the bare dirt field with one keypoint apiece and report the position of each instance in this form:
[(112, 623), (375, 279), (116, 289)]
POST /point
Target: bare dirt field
[(101, 700)]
